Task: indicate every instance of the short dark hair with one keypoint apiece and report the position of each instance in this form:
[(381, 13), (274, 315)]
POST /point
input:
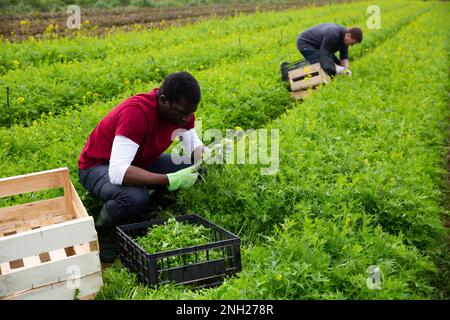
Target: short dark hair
[(356, 33), (180, 84)]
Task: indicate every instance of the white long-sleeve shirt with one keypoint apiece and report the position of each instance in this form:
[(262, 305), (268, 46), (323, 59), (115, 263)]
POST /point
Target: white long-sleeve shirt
[(124, 150)]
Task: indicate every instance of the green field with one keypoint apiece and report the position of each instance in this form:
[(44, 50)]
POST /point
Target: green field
[(361, 177)]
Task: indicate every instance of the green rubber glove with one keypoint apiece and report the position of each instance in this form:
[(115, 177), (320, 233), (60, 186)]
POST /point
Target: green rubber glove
[(183, 179)]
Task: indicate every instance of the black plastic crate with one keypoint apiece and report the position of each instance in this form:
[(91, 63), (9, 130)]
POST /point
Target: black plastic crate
[(201, 266)]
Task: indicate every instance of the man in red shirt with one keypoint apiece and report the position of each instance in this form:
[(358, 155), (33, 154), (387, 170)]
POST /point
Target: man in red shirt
[(123, 156)]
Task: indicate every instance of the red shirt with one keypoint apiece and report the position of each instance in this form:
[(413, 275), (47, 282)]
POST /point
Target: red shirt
[(137, 119)]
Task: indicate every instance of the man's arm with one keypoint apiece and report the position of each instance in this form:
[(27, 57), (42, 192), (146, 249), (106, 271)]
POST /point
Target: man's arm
[(344, 63), (192, 145), (330, 41), (343, 55), (135, 176), (121, 172), (329, 44)]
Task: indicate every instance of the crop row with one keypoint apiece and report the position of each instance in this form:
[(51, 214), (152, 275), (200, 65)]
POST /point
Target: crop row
[(358, 186), (346, 134), (359, 172), (67, 86), (236, 95), (72, 84), (79, 48)]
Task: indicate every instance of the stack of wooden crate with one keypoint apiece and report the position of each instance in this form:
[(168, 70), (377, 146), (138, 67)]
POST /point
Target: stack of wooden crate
[(48, 248), (306, 78)]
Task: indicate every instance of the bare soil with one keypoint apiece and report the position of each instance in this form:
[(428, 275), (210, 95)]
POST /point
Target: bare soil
[(98, 22)]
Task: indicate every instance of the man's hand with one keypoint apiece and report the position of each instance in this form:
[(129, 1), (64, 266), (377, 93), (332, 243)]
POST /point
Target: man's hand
[(342, 70), (339, 69), (183, 179), (344, 63)]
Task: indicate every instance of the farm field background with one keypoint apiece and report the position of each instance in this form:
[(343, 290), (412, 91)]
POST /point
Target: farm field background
[(362, 160), (40, 16), (39, 6)]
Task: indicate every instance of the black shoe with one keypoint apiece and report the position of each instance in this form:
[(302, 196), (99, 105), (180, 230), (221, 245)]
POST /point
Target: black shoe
[(106, 230), (108, 248), (284, 71)]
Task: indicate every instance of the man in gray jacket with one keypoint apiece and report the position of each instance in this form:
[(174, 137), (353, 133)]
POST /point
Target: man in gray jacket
[(319, 43)]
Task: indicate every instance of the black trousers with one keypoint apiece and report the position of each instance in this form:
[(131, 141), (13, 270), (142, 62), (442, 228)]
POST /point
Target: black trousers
[(124, 202), (314, 55)]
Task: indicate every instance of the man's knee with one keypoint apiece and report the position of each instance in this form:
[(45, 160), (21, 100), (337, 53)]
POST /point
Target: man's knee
[(94, 179), (135, 201), (128, 202)]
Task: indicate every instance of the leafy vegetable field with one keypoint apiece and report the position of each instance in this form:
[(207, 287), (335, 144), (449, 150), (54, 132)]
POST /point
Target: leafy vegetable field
[(361, 176)]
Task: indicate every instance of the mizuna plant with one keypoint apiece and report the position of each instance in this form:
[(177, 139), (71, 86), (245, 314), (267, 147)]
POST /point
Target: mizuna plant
[(359, 183), (359, 186)]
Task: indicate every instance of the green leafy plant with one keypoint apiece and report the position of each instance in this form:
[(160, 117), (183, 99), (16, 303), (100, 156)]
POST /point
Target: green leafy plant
[(126, 64), (360, 177), (76, 294), (174, 235)]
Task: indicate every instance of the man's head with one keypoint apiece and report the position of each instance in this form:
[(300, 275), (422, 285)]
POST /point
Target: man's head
[(353, 36), (178, 98)]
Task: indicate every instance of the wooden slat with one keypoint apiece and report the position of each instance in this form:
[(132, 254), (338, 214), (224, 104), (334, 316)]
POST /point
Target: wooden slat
[(87, 247), (89, 285), (32, 210), (4, 268), (82, 248), (32, 182), (57, 255), (57, 218), (27, 262), (89, 297), (21, 226), (326, 78), (80, 210), (304, 71), (68, 192), (30, 262), (93, 245), (46, 239), (16, 228), (305, 83), (300, 94), (52, 272), (4, 229), (299, 85), (313, 82)]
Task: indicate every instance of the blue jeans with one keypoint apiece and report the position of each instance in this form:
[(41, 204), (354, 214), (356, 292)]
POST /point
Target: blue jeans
[(123, 202)]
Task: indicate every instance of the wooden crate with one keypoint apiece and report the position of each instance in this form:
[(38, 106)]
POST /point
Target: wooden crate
[(300, 94), (48, 248), (305, 78)]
